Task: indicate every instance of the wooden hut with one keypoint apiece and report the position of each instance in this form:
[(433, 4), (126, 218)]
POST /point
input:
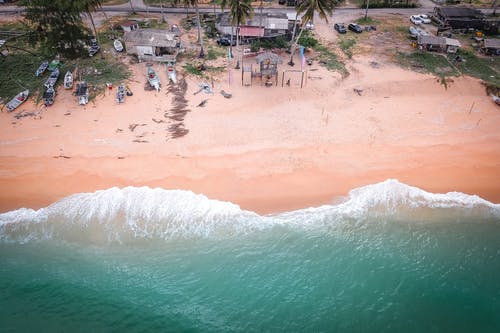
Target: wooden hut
[(268, 70), (438, 44), (153, 45), (491, 46)]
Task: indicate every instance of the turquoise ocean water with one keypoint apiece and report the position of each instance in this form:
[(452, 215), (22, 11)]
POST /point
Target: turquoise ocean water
[(388, 258)]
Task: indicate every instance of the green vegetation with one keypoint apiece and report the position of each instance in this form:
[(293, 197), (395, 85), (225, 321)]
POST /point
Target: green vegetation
[(435, 63), (368, 20), (17, 72), (215, 52), (193, 69), (330, 60), (484, 68), (307, 39), (269, 43), (346, 45)]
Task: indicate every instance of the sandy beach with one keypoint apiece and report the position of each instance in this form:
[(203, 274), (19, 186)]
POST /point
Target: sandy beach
[(268, 149)]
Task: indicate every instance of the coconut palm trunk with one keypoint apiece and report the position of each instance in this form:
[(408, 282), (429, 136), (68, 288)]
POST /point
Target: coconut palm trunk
[(200, 37)]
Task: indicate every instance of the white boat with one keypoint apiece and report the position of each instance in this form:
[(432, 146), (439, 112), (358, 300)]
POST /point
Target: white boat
[(41, 69), (82, 93), (171, 73), (51, 81), (118, 45), (68, 80), (496, 99), (18, 100), (153, 79)]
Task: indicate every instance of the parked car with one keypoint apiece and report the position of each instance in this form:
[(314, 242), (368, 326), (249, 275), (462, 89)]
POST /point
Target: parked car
[(224, 41), (415, 32), (355, 27), (424, 18), (309, 25), (340, 27), (282, 2), (415, 19)]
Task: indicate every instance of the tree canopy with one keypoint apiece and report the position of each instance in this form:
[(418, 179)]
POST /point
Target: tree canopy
[(58, 26)]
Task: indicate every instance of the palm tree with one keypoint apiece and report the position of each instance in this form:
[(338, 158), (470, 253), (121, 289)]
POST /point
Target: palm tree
[(308, 8), (89, 6), (194, 3), (240, 11)]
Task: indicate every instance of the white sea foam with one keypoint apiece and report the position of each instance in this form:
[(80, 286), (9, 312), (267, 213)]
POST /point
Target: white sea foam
[(130, 213)]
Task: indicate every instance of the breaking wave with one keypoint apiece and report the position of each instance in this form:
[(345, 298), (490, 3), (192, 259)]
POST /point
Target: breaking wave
[(131, 213)]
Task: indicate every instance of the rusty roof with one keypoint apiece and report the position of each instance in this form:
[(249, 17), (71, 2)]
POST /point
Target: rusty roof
[(151, 37)]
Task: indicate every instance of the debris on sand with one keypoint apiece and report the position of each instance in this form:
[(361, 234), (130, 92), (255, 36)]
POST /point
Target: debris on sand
[(203, 103), (132, 127), (225, 94), (358, 91)]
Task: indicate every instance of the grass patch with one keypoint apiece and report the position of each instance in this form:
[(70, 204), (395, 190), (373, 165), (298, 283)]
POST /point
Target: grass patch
[(428, 62), (192, 69), (214, 53), (330, 60), (486, 69), (17, 72), (346, 45), (368, 20)]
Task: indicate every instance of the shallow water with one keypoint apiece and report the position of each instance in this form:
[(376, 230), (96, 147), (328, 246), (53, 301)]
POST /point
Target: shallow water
[(389, 258)]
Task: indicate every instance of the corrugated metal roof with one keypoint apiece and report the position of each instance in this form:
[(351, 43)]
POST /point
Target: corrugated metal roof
[(452, 42), (431, 40), (251, 31), (151, 37), (492, 43), (460, 12)]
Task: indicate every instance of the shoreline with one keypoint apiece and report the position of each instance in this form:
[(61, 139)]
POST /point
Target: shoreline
[(266, 149)]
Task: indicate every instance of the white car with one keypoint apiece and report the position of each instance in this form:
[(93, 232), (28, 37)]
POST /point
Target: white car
[(309, 25), (415, 19), (424, 18)]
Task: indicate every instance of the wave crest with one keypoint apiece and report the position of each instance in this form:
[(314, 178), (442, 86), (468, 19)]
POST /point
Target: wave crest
[(130, 213)]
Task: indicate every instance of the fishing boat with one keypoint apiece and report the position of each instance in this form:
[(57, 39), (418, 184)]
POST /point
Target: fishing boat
[(496, 99), (49, 95), (153, 79), (120, 94), (171, 73), (118, 45), (54, 64), (68, 80), (51, 81), (42, 68), (82, 93), (18, 100)]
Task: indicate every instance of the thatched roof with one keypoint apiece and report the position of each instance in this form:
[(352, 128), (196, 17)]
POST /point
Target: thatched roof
[(151, 37), (273, 58), (431, 40)]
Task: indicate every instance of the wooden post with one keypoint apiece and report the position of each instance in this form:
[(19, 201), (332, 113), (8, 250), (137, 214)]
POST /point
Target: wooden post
[(282, 79), (302, 80)]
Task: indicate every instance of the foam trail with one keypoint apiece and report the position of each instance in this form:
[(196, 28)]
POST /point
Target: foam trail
[(144, 213)]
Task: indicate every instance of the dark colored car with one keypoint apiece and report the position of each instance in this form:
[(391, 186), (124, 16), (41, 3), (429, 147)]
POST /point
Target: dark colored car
[(224, 41), (340, 27), (282, 2), (355, 27)]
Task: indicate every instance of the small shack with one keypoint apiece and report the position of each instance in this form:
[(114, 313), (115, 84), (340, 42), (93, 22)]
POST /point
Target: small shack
[(268, 70), (491, 46), (129, 26), (438, 44), (153, 45)]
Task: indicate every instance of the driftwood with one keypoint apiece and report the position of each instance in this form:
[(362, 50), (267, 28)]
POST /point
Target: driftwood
[(203, 103), (132, 127), (358, 91)]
